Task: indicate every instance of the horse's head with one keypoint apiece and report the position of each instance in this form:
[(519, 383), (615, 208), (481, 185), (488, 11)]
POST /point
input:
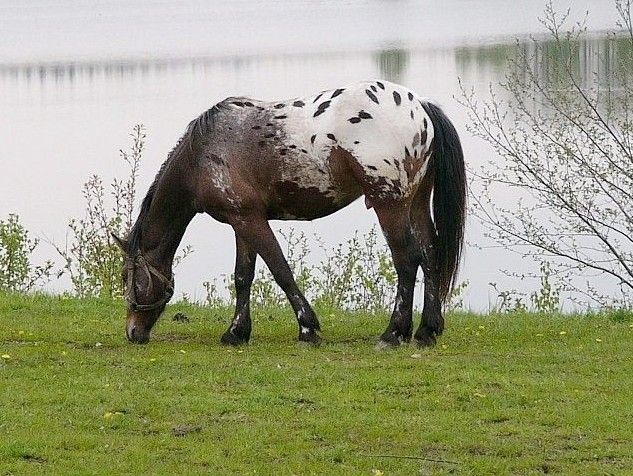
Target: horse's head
[(147, 291)]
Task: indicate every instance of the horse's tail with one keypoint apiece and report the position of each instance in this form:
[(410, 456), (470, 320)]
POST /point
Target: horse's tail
[(449, 196)]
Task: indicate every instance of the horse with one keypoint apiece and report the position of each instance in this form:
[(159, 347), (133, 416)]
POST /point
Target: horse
[(245, 162)]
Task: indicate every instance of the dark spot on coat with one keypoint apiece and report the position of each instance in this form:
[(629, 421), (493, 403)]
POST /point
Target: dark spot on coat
[(386, 161), (396, 162), (270, 124), (416, 139), (406, 151), (371, 96), (312, 138), (410, 96), (292, 146), (283, 151), (279, 106), (256, 127), (364, 115), (321, 109), (371, 167), (269, 135), (238, 103), (216, 159), (354, 120), (317, 98), (356, 142), (415, 153), (304, 151), (396, 98), (331, 137), (373, 88), (412, 116), (248, 103), (423, 137), (298, 104), (380, 85), (336, 93), (321, 170), (425, 123), (281, 117)]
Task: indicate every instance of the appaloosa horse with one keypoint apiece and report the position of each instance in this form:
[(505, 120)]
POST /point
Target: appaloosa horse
[(245, 162)]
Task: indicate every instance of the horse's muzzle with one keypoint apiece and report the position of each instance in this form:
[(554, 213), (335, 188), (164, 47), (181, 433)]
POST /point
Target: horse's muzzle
[(136, 335)]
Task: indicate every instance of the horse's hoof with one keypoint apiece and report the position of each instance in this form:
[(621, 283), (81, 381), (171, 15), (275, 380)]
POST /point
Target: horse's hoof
[(310, 338), (228, 338), (390, 339), (425, 340)]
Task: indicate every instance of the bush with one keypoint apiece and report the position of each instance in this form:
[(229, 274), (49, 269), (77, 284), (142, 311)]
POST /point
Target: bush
[(356, 275), (17, 274)]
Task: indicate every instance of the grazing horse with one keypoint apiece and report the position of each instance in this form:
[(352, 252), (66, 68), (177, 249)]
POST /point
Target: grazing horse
[(245, 162)]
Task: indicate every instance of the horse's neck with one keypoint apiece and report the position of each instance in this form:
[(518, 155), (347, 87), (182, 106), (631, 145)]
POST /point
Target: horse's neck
[(169, 215)]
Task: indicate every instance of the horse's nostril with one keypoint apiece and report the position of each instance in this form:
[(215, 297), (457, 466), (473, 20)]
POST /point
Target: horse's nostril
[(136, 335)]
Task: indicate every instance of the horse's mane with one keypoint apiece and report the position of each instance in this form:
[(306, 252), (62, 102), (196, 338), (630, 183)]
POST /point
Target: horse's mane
[(204, 122), (198, 127)]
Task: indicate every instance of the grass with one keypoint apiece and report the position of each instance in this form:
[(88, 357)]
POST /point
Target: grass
[(519, 394)]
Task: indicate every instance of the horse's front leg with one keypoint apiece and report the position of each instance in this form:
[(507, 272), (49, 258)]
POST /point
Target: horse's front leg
[(240, 330), (257, 233)]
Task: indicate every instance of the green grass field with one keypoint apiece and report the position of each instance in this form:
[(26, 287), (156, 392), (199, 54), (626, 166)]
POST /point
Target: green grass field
[(510, 394)]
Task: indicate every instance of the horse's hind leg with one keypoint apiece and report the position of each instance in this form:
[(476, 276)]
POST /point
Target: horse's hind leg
[(240, 330), (432, 323), (257, 233), (395, 223)]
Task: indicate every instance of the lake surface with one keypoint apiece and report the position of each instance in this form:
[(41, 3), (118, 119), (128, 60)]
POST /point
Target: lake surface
[(75, 76)]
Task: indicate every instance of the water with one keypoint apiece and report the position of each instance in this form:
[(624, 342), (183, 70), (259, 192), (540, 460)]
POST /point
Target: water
[(76, 76)]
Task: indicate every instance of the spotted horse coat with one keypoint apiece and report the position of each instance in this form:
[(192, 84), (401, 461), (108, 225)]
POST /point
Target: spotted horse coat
[(316, 154)]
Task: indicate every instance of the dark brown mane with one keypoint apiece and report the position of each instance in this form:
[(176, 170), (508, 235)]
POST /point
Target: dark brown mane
[(134, 237), (204, 122)]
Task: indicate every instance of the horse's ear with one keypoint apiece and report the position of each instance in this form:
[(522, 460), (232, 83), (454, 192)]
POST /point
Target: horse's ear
[(120, 242)]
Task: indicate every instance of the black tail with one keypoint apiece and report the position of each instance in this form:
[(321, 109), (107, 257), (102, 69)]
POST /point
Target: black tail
[(449, 196)]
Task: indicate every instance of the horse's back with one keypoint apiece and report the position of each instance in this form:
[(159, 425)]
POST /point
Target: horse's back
[(314, 155)]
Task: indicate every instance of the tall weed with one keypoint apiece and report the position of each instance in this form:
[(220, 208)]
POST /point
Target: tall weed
[(91, 257)]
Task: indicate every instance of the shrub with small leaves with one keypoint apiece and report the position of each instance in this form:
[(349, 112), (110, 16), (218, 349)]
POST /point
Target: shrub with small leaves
[(17, 273)]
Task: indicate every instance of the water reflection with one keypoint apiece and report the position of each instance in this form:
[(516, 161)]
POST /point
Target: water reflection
[(68, 72), (594, 61), (392, 63)]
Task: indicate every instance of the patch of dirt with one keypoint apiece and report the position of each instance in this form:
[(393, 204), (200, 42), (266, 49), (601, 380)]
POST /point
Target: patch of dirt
[(184, 430), (33, 458)]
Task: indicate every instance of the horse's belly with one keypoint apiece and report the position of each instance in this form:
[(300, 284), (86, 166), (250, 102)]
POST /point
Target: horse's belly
[(314, 189)]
